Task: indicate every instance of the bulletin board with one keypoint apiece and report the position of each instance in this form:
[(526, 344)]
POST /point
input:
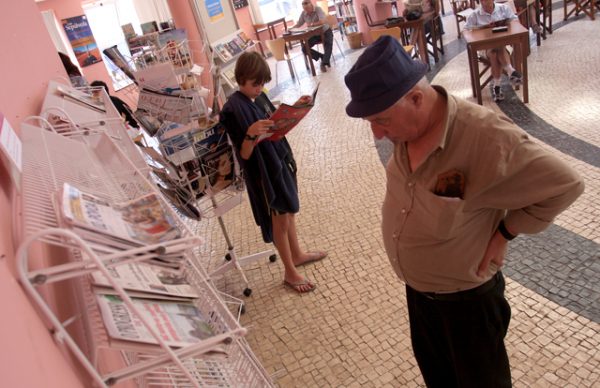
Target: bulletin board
[(217, 18)]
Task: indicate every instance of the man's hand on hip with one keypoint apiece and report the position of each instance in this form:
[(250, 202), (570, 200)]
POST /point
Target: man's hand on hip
[(494, 253)]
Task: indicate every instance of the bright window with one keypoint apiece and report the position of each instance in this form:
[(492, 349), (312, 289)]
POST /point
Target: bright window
[(276, 9), (105, 19)]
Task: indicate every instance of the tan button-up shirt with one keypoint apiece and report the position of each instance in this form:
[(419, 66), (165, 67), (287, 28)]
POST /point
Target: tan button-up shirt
[(435, 243)]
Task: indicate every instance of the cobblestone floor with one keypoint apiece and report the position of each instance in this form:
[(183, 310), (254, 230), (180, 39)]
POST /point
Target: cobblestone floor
[(353, 330)]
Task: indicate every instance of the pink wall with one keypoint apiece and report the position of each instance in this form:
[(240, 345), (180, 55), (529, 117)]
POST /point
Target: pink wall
[(29, 356), (244, 20)]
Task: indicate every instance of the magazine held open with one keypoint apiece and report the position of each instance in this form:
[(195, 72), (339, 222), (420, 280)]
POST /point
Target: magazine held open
[(286, 117)]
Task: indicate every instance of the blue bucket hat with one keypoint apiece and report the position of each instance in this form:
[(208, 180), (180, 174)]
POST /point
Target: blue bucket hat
[(380, 77)]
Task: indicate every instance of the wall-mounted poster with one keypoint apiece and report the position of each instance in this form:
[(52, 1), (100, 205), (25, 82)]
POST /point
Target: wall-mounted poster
[(81, 38), (214, 9)]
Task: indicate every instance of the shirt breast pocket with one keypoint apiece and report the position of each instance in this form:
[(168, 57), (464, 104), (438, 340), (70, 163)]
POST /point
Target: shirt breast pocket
[(436, 218)]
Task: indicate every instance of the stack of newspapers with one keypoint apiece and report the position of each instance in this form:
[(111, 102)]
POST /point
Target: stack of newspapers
[(142, 221), (162, 296), (157, 286)]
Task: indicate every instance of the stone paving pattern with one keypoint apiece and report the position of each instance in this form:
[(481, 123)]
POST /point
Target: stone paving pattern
[(353, 330)]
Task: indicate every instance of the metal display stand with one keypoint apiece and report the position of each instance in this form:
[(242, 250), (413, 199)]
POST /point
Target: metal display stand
[(101, 167), (195, 166)]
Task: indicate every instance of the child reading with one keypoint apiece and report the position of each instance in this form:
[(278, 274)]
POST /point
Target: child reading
[(269, 167)]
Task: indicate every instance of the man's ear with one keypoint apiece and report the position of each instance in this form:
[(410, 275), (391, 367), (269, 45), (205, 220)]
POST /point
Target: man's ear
[(416, 98)]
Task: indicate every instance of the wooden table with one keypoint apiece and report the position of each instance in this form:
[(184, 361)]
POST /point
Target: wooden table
[(484, 39), (419, 24), (302, 37)]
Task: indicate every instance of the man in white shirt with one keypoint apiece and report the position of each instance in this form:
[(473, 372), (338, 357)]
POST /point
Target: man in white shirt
[(487, 15), (316, 17)]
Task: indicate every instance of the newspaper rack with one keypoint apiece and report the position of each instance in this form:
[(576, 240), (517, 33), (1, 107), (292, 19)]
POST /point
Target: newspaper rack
[(103, 167), (196, 167), (208, 173)]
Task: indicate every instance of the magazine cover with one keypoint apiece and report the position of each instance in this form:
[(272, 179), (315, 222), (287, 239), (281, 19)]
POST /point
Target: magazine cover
[(286, 117), (147, 278), (179, 324), (143, 220), (217, 165)]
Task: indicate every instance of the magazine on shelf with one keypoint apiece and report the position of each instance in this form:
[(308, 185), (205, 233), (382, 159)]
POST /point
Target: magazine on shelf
[(143, 220), (286, 117), (179, 324), (80, 97), (218, 166), (157, 281), (223, 52)]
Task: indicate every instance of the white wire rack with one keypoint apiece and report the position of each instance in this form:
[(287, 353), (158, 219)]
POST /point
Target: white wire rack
[(70, 117), (195, 169), (98, 165), (208, 173)]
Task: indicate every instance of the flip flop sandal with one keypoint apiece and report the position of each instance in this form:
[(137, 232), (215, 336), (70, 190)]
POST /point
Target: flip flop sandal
[(297, 286)]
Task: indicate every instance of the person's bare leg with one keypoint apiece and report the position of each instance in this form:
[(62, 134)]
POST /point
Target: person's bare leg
[(503, 58), (299, 256), (281, 225), (495, 64)]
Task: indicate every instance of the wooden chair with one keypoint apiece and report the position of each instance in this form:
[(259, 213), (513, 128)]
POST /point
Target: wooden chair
[(270, 27), (434, 36), (589, 7), (394, 32), (462, 9), (277, 49), (370, 21), (333, 24)]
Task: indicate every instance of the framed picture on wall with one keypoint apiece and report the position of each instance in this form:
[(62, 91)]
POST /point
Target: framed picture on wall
[(82, 40)]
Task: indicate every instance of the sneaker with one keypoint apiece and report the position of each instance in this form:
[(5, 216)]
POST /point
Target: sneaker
[(323, 67), (497, 94), (516, 78)]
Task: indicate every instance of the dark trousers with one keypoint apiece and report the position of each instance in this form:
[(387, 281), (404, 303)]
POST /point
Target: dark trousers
[(460, 343), (327, 46)]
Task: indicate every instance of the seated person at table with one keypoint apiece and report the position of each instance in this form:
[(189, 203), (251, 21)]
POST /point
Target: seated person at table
[(314, 16), (488, 15)]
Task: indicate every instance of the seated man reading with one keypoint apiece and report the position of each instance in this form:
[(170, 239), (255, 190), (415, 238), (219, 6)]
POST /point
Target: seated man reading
[(314, 16), (487, 15)]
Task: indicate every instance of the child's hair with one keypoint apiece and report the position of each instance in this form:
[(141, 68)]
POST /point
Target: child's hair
[(251, 66), (99, 83)]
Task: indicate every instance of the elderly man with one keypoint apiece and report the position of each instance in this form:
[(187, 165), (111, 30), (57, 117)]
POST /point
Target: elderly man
[(487, 15), (316, 17), (461, 183)]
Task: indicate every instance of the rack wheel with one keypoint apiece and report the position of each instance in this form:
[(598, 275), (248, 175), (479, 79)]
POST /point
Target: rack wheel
[(228, 257), (243, 309), (247, 292), (272, 258)]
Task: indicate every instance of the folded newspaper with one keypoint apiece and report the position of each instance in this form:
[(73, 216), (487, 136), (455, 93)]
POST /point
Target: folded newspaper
[(156, 281), (178, 324), (144, 220)]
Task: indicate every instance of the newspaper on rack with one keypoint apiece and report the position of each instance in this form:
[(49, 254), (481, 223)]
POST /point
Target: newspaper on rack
[(81, 98), (144, 220), (178, 324), (164, 106), (156, 281)]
